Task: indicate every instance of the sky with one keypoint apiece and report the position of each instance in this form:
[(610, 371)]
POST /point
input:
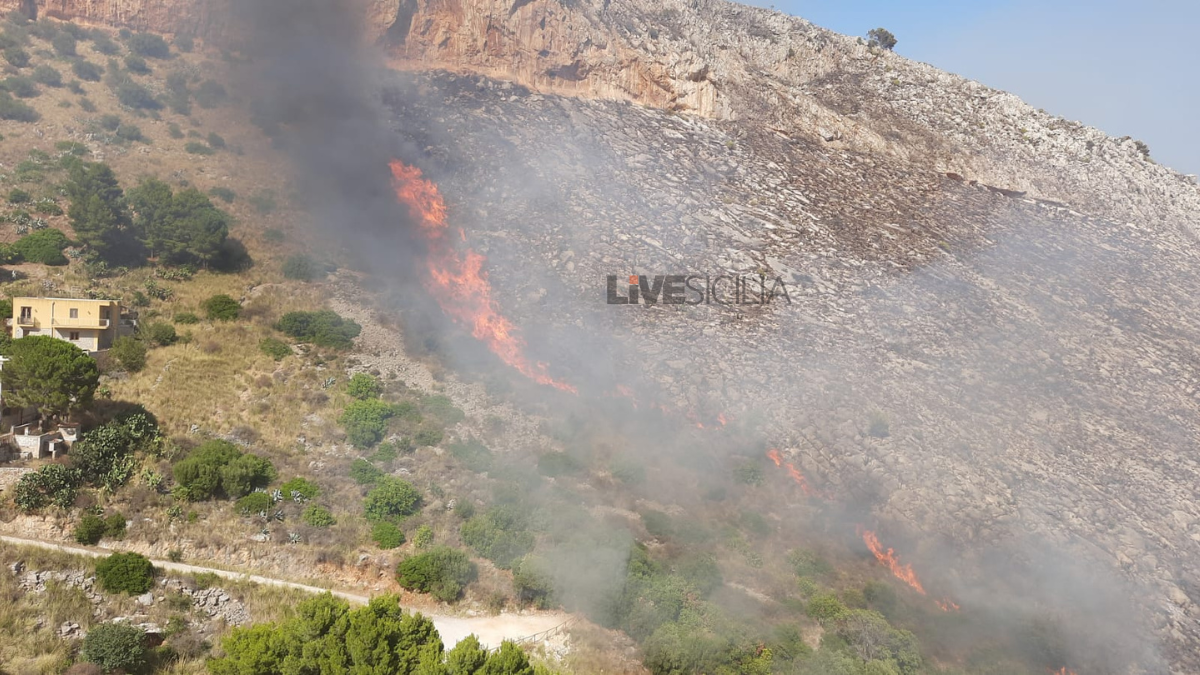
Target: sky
[(1128, 67)]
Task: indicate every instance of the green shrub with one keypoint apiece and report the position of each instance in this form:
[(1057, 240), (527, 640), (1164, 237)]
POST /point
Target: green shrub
[(134, 95), (90, 530), (220, 467), (17, 111), (64, 44), (366, 421), (174, 131), (442, 572), (317, 516), (128, 573), (160, 333), (52, 484), (43, 246), (19, 86), (114, 526), (254, 504), (500, 535), (130, 352), (16, 57), (149, 45), (658, 524), (224, 194), (386, 535), (881, 38), (185, 318), (130, 133), (825, 607), (136, 64), (104, 44), (198, 148), (184, 43), (210, 94), (442, 409), (47, 75), (423, 537), (302, 268), (533, 585), (558, 464), (19, 196), (87, 71), (275, 348), (391, 498), (428, 435), (364, 473), (474, 455), (115, 647), (215, 140), (300, 489), (221, 307), (324, 328), (362, 387), (241, 475), (749, 473)]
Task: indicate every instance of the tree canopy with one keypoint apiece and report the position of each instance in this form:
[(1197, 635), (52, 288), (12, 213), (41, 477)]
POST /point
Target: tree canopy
[(50, 374), (178, 227)]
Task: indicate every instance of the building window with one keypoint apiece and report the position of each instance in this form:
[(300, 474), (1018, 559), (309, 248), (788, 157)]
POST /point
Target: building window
[(74, 336), (104, 313), (74, 313), (26, 312)]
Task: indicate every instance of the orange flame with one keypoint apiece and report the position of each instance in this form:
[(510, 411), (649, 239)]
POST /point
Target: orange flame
[(774, 455), (947, 605), (721, 419), (457, 278), (902, 572), (1062, 671)]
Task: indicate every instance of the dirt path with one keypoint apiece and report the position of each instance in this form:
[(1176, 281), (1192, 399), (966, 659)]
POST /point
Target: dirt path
[(491, 630)]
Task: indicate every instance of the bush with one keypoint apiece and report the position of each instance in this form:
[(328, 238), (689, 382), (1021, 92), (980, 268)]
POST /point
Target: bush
[(275, 348), (149, 45), (89, 531), (19, 196), (555, 464), (160, 333), (442, 572), (115, 647), (302, 268), (300, 489), (130, 352), (104, 44), (43, 246), (19, 86), (317, 516), (64, 44), (134, 95), (825, 607), (428, 436), (532, 585), (12, 109), (366, 421), (241, 475), (136, 64), (185, 318), (52, 484), (362, 387), (474, 455), (254, 504), (47, 75), (114, 526), (220, 467), (221, 307), (386, 535), (500, 535), (128, 573), (210, 94), (364, 472), (198, 148), (324, 328), (224, 194), (16, 57), (87, 71), (184, 43), (391, 498), (215, 140)]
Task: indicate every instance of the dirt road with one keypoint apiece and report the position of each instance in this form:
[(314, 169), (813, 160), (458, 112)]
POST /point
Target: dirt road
[(491, 630)]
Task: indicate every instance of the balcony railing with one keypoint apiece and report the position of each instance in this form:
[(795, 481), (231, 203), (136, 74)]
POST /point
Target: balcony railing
[(26, 321), (81, 323)]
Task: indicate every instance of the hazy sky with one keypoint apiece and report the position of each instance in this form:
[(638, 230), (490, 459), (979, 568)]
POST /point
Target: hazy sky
[(1131, 68)]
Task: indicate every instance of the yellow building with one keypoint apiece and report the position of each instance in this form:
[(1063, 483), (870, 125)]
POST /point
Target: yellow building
[(90, 325)]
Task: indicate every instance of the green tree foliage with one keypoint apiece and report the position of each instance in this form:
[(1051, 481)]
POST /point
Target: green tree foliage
[(391, 498), (186, 318), (499, 534), (50, 374), (443, 572), (366, 421), (302, 268), (221, 307), (362, 387), (130, 352), (300, 489), (64, 44), (87, 71), (317, 516), (219, 467), (136, 65), (826, 607), (180, 227), (98, 212), (128, 573), (386, 535), (43, 246), (508, 659), (20, 86), (467, 657), (16, 57), (254, 504), (115, 647), (873, 639), (881, 38), (159, 333), (533, 585), (90, 530), (323, 328), (114, 526), (52, 484), (47, 75), (105, 455), (12, 109)]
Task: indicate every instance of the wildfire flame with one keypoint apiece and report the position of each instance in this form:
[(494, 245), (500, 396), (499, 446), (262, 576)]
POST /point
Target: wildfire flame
[(947, 605), (1063, 671), (902, 572), (458, 280), (774, 455)]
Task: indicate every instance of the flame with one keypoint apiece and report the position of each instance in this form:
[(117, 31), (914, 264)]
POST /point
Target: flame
[(774, 455), (902, 572), (947, 605), (457, 278), (1062, 671), (721, 419)]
